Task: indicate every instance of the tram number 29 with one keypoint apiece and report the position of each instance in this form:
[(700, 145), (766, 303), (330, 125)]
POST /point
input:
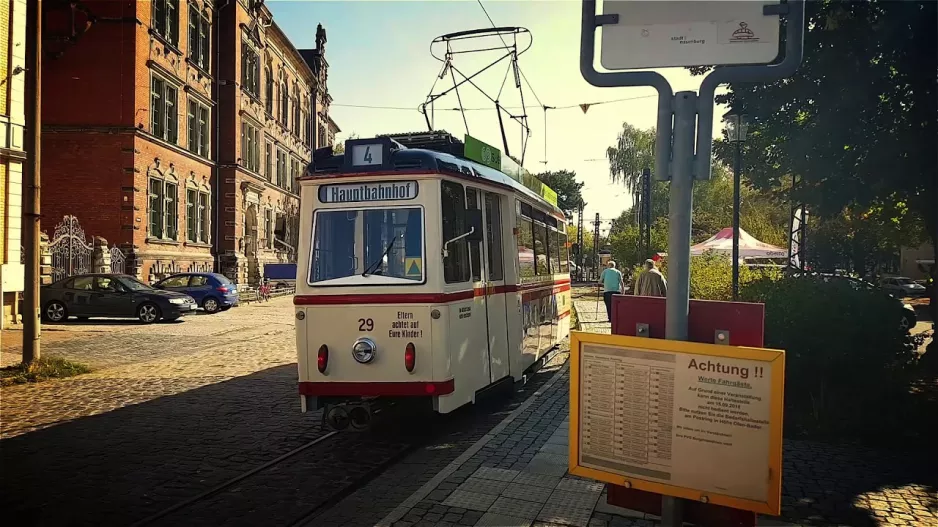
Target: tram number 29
[(366, 324)]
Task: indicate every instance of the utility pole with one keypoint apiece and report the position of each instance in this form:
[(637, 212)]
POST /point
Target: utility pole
[(579, 240), (596, 245), (646, 208), (31, 211)]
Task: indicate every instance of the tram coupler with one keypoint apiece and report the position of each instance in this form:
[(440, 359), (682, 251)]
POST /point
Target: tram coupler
[(352, 416)]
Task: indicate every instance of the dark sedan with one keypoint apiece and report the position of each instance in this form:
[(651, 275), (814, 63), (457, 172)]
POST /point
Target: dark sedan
[(112, 296)]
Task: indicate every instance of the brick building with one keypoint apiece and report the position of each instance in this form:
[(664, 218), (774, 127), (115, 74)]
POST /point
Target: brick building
[(156, 129), (269, 125), (12, 155)]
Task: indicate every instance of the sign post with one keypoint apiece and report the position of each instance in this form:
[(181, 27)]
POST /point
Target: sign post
[(742, 39)]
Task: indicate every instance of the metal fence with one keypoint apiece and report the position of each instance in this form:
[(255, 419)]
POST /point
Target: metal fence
[(72, 253)]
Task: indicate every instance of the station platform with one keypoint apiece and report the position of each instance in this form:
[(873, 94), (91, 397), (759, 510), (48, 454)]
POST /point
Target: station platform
[(492, 485)]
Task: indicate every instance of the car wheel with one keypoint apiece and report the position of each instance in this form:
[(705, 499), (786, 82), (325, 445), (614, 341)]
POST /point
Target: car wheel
[(906, 323), (210, 305), (148, 313), (55, 312)]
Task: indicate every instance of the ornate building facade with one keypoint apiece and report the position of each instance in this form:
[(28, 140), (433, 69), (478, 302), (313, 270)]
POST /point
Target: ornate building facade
[(176, 149)]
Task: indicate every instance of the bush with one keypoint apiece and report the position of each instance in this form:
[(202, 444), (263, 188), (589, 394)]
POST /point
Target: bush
[(845, 357), (711, 276)]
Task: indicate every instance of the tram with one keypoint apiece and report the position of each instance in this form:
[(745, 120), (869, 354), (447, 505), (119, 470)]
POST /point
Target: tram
[(423, 273)]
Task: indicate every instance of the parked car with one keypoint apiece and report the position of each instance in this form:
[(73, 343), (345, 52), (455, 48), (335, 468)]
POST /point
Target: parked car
[(113, 296), (908, 320), (213, 292), (902, 287)]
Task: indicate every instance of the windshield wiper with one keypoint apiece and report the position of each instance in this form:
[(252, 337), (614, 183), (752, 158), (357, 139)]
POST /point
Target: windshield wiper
[(371, 268)]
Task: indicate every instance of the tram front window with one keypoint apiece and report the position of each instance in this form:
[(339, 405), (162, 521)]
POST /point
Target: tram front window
[(348, 243)]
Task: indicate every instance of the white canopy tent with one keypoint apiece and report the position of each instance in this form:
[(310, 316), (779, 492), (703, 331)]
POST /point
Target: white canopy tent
[(749, 247)]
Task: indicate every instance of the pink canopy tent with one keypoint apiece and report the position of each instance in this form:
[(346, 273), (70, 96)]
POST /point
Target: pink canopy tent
[(749, 247)]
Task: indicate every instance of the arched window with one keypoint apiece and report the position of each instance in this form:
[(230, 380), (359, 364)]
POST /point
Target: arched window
[(269, 89), (284, 100)]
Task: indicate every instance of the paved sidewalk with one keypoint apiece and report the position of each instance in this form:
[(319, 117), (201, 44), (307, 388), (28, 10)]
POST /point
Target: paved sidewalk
[(517, 476), (591, 315)]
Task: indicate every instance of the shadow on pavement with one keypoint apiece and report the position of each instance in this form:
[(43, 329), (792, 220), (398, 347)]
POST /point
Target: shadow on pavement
[(118, 467)]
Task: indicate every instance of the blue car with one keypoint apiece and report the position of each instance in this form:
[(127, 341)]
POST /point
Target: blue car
[(212, 291)]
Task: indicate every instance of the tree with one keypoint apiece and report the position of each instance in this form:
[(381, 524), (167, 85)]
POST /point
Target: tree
[(857, 121), (339, 148), (633, 152), (568, 189)]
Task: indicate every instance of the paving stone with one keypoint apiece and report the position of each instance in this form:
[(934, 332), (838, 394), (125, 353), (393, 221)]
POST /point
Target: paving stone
[(497, 474), (502, 520), (558, 513), (470, 500), (484, 486), (537, 480), (552, 448), (527, 493), (574, 500), (556, 459), (547, 469), (578, 485), (516, 507)]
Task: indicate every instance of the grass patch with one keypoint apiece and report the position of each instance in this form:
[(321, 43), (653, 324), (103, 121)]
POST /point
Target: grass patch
[(43, 369)]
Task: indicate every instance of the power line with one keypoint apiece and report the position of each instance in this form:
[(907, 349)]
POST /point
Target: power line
[(566, 107)]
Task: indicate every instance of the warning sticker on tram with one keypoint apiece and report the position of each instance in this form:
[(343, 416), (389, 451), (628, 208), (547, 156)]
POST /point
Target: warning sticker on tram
[(413, 267)]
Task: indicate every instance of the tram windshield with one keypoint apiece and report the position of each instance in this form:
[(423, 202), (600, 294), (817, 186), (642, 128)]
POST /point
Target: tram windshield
[(368, 242)]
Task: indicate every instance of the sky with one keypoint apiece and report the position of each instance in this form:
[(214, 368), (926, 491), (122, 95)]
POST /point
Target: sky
[(379, 55)]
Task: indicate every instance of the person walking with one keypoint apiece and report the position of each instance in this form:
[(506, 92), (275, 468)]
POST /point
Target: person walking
[(651, 282), (611, 280)]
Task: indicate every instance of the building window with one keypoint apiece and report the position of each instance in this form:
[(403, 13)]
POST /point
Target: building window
[(250, 147), (166, 20), (199, 30), (197, 217), (281, 167), (250, 69), (269, 228), (269, 162), (309, 130), (296, 111), (198, 128), (284, 101), (269, 91), (163, 112), (163, 209)]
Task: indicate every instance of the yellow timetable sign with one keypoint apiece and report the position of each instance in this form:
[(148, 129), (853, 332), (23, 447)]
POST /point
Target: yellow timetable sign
[(696, 421)]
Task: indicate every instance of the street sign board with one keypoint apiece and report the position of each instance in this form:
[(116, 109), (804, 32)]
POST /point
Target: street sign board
[(664, 33), (696, 421)]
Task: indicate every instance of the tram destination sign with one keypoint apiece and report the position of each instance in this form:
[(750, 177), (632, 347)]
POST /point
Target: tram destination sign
[(358, 192), (696, 421)]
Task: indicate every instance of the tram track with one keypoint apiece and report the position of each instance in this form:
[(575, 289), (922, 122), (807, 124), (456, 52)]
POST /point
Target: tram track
[(298, 486)]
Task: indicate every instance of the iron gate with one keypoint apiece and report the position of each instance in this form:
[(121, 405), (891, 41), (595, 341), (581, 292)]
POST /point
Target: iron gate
[(72, 253)]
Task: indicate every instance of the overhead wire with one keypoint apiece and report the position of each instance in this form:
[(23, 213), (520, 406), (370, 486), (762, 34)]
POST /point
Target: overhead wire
[(565, 107)]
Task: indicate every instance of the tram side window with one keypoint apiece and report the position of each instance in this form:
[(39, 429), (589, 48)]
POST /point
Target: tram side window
[(472, 202), (540, 249), (456, 264), (493, 226), (554, 251), (564, 256), (525, 246)]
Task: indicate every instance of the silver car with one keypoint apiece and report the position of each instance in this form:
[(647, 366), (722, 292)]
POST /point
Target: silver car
[(901, 287)]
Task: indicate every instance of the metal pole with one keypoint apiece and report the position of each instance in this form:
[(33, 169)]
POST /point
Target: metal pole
[(31, 210), (736, 164), (679, 230), (646, 201)]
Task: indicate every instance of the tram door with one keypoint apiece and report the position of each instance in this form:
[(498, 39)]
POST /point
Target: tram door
[(490, 272), (496, 306)]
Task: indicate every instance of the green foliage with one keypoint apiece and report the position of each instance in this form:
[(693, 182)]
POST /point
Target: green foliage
[(634, 151), (711, 276), (43, 369), (857, 121), (568, 189), (844, 353)]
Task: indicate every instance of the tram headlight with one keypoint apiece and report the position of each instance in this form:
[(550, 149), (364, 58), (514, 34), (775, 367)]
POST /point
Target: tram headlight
[(364, 350)]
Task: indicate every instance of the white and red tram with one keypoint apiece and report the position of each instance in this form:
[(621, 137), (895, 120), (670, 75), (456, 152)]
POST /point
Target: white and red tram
[(421, 274)]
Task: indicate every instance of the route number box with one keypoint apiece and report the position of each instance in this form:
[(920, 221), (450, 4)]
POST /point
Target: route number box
[(696, 421)]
